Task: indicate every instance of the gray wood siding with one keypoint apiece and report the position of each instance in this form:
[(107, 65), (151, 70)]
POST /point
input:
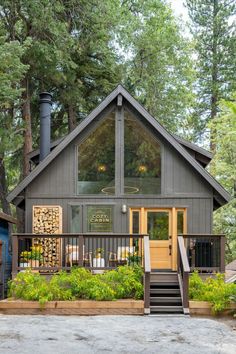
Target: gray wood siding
[(199, 210), (180, 177), (182, 186)]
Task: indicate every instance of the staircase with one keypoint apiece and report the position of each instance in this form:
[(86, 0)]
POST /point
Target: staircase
[(165, 297)]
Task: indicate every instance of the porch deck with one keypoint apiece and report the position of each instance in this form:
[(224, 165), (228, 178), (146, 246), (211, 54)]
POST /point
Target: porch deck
[(99, 252)]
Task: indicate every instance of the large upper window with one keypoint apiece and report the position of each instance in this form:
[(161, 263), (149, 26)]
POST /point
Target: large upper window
[(96, 160), (142, 159)]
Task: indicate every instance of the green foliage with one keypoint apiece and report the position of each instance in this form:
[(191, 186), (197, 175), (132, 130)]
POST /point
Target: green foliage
[(30, 286), (223, 168), (125, 282), (34, 254), (159, 68), (213, 30), (216, 291)]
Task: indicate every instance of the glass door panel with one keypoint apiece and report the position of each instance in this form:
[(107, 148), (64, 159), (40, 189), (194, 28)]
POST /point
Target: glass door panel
[(158, 225)]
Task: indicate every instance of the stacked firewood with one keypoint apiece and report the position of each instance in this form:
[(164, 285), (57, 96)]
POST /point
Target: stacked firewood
[(48, 220)]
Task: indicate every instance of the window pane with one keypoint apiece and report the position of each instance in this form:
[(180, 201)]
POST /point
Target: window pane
[(96, 160), (180, 222), (75, 218), (135, 222), (158, 225), (142, 160), (99, 218)]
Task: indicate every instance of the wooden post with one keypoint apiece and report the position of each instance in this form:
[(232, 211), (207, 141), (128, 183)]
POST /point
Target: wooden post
[(147, 274), (146, 293), (81, 253), (178, 256), (185, 290), (14, 256), (222, 254)]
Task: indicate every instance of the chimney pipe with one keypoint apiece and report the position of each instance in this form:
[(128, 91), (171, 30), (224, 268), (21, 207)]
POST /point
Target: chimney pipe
[(45, 102)]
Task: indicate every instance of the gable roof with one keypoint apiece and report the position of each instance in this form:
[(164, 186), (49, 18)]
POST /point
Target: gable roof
[(156, 125)]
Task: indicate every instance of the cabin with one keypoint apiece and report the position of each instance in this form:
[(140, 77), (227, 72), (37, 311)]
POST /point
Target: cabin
[(120, 189), (5, 252)]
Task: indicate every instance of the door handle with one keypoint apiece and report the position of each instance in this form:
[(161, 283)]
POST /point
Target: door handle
[(170, 249)]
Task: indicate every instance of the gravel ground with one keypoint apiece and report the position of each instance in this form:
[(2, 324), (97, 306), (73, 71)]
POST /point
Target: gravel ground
[(115, 334)]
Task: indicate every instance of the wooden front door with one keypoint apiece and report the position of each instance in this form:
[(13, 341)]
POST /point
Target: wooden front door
[(158, 227), (162, 225)]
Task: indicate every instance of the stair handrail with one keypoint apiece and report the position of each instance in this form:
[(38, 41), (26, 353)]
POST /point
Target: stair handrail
[(183, 273), (147, 273)]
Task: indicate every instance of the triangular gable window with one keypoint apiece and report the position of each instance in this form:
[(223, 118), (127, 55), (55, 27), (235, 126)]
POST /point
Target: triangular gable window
[(120, 156)]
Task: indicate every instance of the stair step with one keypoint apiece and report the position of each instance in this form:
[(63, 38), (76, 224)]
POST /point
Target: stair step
[(165, 291), (164, 273), (175, 299), (166, 309), (163, 277), (164, 284)]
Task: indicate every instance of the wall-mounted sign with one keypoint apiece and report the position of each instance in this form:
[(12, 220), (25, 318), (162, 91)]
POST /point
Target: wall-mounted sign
[(99, 219)]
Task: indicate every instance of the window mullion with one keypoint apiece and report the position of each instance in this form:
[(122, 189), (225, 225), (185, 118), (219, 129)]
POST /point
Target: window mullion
[(119, 154)]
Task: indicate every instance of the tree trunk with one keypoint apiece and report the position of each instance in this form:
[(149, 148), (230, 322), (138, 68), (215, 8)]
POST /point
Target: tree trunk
[(26, 114), (71, 118), (3, 188)]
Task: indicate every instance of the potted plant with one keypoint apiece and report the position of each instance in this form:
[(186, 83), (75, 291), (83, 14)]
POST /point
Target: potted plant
[(98, 260), (24, 259), (134, 259), (35, 256), (31, 258)]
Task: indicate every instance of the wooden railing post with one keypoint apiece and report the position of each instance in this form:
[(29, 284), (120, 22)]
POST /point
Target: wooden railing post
[(186, 290), (14, 255), (184, 277), (222, 254), (147, 274), (81, 250)]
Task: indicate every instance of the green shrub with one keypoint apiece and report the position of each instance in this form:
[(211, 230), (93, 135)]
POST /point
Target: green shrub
[(125, 282), (214, 290), (30, 286)]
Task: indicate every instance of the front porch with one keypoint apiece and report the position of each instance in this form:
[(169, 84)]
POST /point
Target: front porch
[(49, 254)]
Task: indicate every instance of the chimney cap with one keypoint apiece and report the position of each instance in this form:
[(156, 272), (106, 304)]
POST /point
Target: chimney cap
[(45, 97)]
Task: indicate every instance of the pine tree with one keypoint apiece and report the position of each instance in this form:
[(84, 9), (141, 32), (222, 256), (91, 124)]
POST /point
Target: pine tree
[(213, 29)]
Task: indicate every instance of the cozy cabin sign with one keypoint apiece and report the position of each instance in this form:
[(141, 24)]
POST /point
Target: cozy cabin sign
[(99, 219)]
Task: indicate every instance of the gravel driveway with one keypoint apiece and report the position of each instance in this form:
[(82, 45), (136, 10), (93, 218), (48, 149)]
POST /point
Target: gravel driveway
[(114, 334)]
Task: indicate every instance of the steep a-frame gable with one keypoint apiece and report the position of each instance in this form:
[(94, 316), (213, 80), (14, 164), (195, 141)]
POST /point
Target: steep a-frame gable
[(223, 196)]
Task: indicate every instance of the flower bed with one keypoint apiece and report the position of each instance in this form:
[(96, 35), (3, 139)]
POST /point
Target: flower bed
[(213, 295), (76, 307), (125, 282)]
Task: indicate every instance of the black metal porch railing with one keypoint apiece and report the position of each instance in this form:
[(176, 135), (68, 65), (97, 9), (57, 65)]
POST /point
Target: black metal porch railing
[(50, 253), (205, 252)]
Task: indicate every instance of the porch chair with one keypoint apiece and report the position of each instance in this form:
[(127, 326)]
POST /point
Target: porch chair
[(123, 252)]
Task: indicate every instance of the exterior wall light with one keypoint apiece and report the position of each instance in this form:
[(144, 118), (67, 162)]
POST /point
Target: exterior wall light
[(102, 168), (124, 209), (142, 168)]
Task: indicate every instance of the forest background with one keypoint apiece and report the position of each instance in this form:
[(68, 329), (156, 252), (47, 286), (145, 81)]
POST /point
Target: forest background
[(79, 50)]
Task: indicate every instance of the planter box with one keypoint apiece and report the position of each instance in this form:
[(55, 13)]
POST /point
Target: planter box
[(78, 307), (204, 308)]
